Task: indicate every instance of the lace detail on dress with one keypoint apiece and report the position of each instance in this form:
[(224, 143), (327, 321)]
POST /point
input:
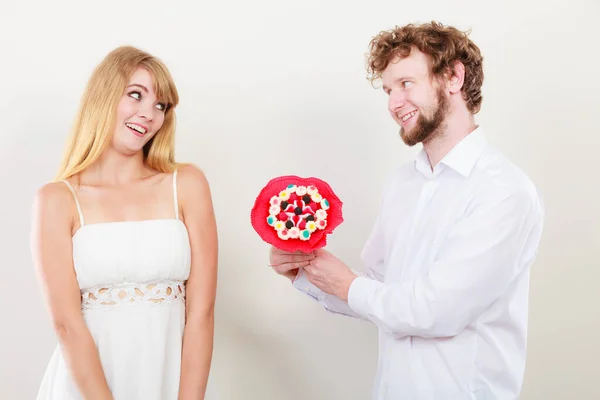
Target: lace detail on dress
[(158, 292)]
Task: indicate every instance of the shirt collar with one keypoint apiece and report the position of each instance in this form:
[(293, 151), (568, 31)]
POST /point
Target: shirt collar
[(461, 158)]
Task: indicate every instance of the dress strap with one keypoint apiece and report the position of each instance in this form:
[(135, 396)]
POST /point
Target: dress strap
[(76, 201), (175, 194)]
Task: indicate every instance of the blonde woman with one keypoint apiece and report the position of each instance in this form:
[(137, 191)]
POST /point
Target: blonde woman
[(125, 246)]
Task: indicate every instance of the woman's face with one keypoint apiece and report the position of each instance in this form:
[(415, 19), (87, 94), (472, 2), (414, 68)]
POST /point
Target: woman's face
[(139, 114)]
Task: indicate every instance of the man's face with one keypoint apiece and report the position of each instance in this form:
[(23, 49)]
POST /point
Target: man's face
[(417, 102)]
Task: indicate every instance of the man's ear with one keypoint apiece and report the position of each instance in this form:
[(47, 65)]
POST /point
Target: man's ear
[(455, 77)]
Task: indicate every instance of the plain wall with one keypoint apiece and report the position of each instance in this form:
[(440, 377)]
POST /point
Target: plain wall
[(274, 87)]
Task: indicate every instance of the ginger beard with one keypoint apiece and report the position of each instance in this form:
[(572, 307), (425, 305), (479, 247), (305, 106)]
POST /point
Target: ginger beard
[(428, 123)]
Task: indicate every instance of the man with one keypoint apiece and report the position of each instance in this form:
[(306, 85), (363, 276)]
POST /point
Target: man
[(448, 260)]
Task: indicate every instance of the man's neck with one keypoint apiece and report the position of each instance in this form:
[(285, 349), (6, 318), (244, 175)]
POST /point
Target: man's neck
[(454, 129)]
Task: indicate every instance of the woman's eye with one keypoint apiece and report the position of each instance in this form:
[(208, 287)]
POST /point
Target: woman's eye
[(135, 95), (406, 84), (161, 106)]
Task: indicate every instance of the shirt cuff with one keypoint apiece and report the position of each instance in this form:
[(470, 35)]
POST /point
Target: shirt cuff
[(359, 293), (304, 285)]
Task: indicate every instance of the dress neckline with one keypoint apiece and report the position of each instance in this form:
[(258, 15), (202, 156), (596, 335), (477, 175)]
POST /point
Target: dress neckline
[(118, 223)]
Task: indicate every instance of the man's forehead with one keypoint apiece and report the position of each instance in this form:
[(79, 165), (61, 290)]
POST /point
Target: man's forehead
[(416, 64)]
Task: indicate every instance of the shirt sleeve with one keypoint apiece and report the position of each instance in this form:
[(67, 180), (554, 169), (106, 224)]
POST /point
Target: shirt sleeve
[(372, 256), (331, 303), (481, 257)]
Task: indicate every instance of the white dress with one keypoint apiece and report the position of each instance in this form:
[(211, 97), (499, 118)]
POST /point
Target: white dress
[(132, 279)]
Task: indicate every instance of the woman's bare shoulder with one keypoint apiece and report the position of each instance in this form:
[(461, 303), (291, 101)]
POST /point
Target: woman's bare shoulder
[(53, 198), (192, 178), (193, 189)]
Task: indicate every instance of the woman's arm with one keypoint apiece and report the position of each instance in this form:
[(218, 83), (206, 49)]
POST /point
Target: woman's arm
[(51, 248), (201, 286)]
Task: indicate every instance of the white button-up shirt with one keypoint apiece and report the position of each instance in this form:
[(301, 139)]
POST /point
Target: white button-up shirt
[(447, 276)]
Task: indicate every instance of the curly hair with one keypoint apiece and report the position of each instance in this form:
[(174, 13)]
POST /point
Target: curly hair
[(443, 44)]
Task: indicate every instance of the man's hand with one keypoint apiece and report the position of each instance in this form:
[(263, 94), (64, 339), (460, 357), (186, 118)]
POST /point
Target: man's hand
[(287, 264), (330, 274)]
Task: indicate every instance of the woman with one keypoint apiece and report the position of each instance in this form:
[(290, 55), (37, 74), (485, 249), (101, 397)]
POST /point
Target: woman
[(125, 246)]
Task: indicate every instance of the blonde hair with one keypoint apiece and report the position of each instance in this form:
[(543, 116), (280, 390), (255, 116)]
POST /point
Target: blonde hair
[(95, 121)]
